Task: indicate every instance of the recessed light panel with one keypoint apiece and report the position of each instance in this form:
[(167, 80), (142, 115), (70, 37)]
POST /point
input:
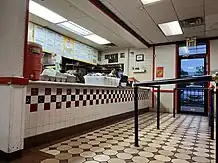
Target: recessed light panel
[(45, 13), (73, 27), (146, 2), (97, 39), (171, 28)]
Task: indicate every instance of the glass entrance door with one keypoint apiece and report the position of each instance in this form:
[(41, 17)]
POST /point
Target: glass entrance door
[(192, 96)]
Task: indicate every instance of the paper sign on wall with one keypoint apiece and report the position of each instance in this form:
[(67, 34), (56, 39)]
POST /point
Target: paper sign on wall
[(159, 72)]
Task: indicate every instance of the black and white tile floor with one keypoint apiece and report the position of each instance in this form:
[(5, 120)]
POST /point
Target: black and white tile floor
[(182, 139)]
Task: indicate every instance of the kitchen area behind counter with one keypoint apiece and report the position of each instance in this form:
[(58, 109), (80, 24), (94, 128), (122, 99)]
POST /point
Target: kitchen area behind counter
[(55, 108)]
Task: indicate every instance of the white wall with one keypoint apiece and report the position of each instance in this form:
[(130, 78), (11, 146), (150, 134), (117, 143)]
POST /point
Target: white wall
[(147, 64), (12, 25), (165, 56)]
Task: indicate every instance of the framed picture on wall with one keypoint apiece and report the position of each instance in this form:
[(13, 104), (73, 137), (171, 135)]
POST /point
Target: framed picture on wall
[(122, 55), (139, 57)]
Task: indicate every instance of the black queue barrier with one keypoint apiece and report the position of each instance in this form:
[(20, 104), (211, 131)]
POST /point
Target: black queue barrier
[(174, 103), (211, 119), (216, 119), (136, 116), (158, 108), (157, 84)]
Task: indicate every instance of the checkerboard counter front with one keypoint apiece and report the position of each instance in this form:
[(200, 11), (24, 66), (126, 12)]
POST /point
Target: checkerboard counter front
[(51, 107)]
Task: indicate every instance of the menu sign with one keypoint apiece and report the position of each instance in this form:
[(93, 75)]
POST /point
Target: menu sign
[(39, 36), (68, 48), (53, 42), (85, 53)]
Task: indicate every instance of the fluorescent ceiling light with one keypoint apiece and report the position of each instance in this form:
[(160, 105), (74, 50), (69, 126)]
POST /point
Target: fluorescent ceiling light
[(145, 2), (171, 28), (97, 39), (45, 13), (73, 27)]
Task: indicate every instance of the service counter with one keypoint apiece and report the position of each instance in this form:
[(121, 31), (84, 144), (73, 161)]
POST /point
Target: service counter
[(52, 106)]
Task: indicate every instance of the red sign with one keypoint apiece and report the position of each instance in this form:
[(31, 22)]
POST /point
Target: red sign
[(159, 72)]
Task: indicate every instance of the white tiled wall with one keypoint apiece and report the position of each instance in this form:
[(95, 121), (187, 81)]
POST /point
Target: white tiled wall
[(44, 121)]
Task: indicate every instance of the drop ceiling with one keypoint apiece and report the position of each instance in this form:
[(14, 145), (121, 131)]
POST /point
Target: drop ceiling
[(142, 19)]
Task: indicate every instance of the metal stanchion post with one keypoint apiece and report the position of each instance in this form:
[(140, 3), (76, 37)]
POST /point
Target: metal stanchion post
[(216, 119), (136, 116), (174, 102), (158, 108), (212, 114), (215, 78), (209, 105)]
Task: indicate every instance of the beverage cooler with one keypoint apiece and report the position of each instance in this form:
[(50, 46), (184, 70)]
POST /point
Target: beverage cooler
[(33, 61)]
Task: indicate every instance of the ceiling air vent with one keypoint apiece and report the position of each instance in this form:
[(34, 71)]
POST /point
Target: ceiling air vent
[(187, 23), (110, 45)]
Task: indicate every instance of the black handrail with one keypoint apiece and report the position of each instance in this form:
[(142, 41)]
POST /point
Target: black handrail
[(136, 116), (211, 114), (216, 120), (198, 79), (158, 108)]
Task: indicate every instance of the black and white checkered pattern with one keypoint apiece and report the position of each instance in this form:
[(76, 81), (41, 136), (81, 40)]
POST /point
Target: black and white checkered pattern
[(77, 97)]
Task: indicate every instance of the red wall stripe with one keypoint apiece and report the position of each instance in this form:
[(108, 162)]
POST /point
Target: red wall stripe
[(14, 81)]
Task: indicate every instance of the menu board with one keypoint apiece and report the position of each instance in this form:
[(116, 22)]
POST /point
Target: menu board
[(68, 48), (39, 35), (85, 53), (53, 42), (49, 41), (59, 46)]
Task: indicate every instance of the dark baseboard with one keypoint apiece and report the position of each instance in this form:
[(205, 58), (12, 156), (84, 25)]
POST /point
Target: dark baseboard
[(77, 130), (7, 157)]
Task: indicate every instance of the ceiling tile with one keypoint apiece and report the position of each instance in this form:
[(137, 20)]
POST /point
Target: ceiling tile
[(162, 12), (195, 34), (188, 31), (183, 4), (144, 25), (212, 33), (191, 12), (211, 7), (212, 26), (176, 38), (105, 21), (211, 18), (63, 8)]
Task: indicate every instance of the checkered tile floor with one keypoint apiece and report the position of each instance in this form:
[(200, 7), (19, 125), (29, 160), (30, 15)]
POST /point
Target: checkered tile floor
[(181, 140)]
